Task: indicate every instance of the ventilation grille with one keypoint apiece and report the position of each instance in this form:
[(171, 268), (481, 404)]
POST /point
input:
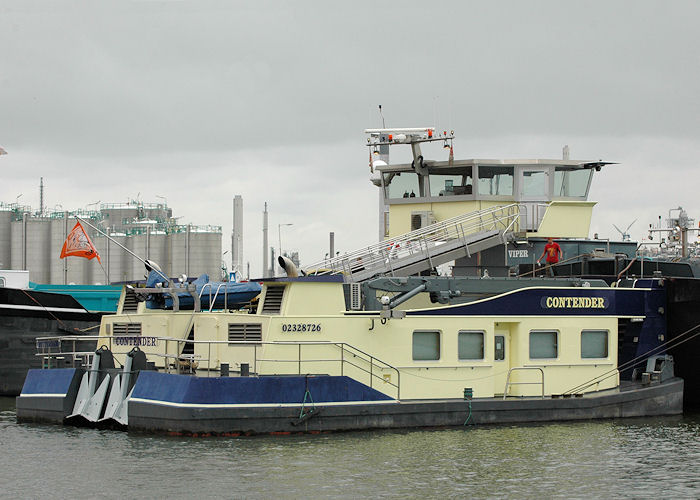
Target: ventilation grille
[(126, 329), (273, 300), (355, 296), (130, 301), (245, 332)]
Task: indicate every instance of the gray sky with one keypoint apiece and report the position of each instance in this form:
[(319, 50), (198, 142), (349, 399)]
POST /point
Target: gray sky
[(198, 101)]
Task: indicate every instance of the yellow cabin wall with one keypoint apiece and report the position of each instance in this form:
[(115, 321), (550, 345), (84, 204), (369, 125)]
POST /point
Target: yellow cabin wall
[(562, 219), (400, 214), (566, 219)]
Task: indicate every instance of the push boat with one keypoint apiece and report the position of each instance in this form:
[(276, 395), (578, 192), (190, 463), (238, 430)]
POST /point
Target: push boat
[(373, 339)]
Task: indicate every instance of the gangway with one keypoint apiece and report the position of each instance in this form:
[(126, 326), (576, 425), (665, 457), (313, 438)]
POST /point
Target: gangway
[(427, 247)]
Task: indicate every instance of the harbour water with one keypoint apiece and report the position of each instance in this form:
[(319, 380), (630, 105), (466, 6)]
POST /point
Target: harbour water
[(639, 458)]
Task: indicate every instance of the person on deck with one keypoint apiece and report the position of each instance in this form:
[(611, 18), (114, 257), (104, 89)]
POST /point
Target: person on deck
[(553, 252)]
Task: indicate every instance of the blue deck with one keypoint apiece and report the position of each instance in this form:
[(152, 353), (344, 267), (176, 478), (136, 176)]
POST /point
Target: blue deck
[(56, 381), (185, 389)]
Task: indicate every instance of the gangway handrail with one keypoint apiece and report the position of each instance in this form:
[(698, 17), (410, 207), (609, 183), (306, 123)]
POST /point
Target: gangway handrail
[(509, 383), (379, 256)]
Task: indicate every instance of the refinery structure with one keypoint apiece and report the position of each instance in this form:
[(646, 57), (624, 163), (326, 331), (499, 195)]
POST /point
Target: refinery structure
[(32, 240)]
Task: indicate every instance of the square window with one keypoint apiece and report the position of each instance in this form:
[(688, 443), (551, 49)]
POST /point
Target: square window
[(543, 345), (426, 346), (594, 344), (470, 345)]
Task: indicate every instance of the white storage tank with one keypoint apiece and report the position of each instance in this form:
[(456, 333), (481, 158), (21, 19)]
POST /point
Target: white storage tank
[(5, 238)]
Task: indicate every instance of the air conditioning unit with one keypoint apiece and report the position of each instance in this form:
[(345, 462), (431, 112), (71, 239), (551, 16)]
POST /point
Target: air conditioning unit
[(421, 219)]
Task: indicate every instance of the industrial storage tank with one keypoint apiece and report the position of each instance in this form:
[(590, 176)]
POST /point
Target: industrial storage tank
[(17, 245), (205, 251), (5, 238), (118, 260), (38, 238), (138, 243), (178, 245), (59, 232), (158, 248)]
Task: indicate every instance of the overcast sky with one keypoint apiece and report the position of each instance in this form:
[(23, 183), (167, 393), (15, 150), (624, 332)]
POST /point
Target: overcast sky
[(197, 101)]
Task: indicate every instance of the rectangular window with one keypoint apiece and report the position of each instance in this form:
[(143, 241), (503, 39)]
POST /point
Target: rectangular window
[(426, 346), (456, 182), (401, 185), (571, 182), (499, 348), (496, 181), (470, 345), (543, 345), (534, 183), (594, 344)]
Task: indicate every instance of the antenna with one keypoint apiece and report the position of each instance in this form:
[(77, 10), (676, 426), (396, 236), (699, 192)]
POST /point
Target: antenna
[(382, 115)]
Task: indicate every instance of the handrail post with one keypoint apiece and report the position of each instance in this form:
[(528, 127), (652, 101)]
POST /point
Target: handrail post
[(342, 359)]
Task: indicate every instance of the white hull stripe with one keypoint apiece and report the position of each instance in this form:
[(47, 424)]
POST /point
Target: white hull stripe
[(39, 308), (37, 395), (257, 405)]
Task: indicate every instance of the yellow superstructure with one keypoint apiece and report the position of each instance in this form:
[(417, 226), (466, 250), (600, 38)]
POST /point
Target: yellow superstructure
[(304, 327)]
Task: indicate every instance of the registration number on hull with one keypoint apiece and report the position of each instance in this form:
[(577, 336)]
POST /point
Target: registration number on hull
[(301, 327)]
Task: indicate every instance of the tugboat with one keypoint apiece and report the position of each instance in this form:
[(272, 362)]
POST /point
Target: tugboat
[(373, 339)]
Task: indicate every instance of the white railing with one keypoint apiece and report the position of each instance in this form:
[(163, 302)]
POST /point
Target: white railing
[(421, 242)]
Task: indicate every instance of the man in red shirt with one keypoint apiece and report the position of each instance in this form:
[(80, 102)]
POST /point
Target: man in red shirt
[(553, 252)]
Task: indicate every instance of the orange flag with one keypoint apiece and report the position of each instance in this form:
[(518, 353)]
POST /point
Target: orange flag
[(78, 244)]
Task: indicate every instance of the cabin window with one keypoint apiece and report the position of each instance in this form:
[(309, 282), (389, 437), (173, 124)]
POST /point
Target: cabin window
[(594, 344), (543, 344), (2, 282), (470, 345), (456, 183), (499, 348), (426, 346), (534, 183), (496, 181), (571, 182), (401, 185)]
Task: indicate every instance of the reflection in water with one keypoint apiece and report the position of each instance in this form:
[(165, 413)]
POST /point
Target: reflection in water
[(629, 458)]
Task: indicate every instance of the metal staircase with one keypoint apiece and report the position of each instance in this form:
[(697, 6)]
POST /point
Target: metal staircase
[(425, 248)]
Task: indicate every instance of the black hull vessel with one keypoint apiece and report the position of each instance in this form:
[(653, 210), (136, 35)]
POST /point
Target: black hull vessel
[(28, 314)]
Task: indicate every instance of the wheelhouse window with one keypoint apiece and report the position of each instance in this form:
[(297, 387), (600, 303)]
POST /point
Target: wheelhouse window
[(534, 183), (470, 345), (401, 185), (594, 344), (496, 180), (451, 182), (426, 345), (571, 182), (543, 344)]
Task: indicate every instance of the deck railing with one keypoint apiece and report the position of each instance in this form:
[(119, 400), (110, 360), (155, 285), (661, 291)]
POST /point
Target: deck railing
[(173, 357)]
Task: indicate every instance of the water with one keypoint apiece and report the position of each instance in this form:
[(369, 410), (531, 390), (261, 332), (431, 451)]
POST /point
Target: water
[(639, 458)]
